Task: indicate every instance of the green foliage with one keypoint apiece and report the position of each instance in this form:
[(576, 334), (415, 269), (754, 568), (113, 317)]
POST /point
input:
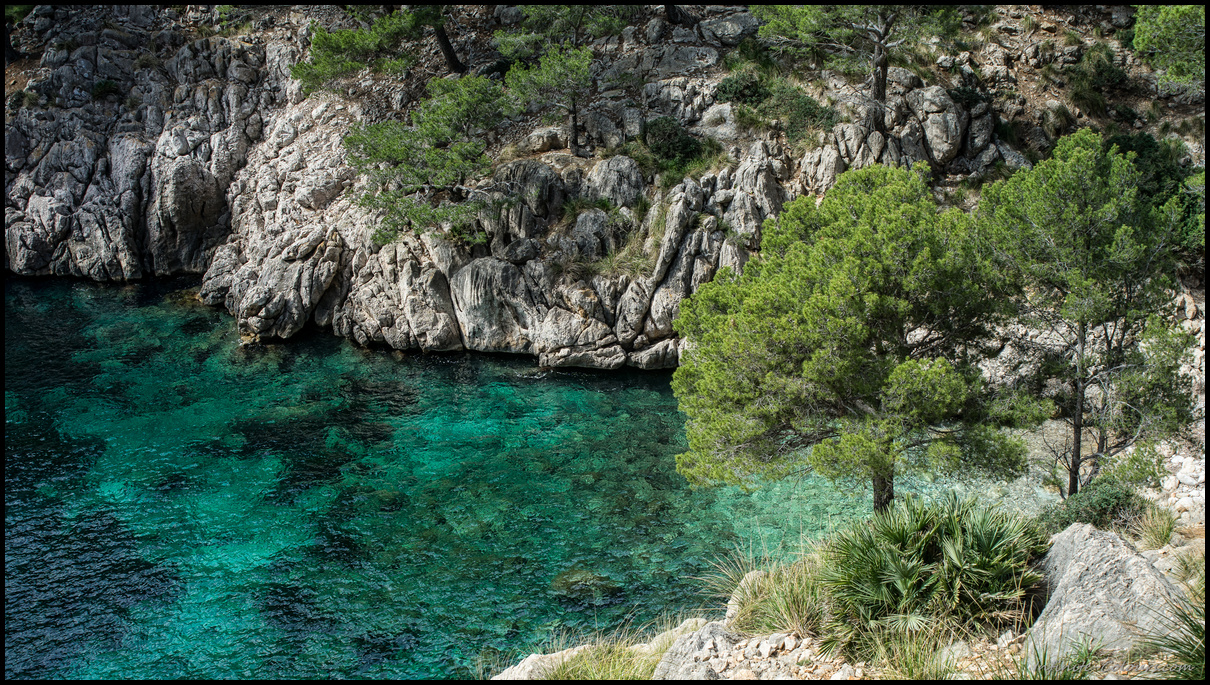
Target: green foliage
[(787, 597), (629, 260), (1154, 528), (799, 113), (1093, 259), (669, 141), (418, 173), (1173, 38), (849, 33), (743, 88), (967, 96), (1141, 467), (1093, 77), (1183, 638), (1105, 503), (346, 51), (558, 24), (104, 88), (147, 60), (753, 55), (1125, 38), (561, 79), (817, 354), (15, 13), (1161, 178), (918, 562)]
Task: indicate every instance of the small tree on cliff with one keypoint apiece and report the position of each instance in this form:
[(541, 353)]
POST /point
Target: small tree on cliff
[(433, 16), (864, 32), (1095, 260), (558, 34), (419, 175), (847, 346), (561, 79)]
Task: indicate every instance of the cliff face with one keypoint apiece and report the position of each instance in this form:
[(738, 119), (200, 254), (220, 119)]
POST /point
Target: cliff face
[(138, 148)]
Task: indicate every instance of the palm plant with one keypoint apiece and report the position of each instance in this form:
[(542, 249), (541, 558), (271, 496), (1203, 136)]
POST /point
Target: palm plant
[(919, 562)]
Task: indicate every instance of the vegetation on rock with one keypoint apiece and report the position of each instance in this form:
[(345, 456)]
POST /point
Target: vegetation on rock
[(419, 174), (1173, 38), (862, 32)]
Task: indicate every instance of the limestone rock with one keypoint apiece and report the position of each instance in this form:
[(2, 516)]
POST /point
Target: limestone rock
[(728, 30), (536, 666), (1100, 590), (617, 179), (495, 308), (678, 662), (943, 121)]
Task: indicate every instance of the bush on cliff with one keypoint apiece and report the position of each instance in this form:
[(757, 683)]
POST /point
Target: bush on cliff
[(1105, 503), (346, 51)]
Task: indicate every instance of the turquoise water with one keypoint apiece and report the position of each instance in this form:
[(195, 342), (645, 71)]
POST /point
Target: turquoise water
[(179, 506)]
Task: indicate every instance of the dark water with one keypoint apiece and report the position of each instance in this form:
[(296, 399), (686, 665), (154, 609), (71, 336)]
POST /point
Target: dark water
[(178, 506)]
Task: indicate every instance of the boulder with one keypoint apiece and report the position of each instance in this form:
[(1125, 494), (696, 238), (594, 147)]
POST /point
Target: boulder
[(680, 663), (617, 179), (943, 121), (729, 30), (495, 308), (1100, 590), (537, 666)]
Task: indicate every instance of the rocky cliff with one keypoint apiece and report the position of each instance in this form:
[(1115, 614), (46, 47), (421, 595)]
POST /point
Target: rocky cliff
[(138, 147)]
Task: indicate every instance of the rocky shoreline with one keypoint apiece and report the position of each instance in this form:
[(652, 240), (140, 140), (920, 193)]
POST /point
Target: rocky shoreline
[(1098, 587), (203, 155)]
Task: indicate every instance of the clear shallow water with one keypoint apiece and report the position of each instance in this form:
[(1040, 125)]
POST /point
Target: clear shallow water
[(178, 506)]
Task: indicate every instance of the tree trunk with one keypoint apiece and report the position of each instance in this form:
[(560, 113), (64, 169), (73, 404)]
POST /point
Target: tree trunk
[(884, 491), (451, 57), (1077, 421), (880, 64), (573, 125)]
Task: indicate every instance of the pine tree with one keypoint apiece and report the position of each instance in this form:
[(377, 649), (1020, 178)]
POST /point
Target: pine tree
[(848, 346)]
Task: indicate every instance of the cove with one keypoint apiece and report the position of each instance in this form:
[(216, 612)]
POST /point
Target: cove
[(177, 505)]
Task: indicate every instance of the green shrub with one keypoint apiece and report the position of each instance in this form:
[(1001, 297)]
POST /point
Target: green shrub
[(669, 141), (1104, 503), (744, 88), (104, 88), (15, 13), (1094, 76), (1181, 636), (1125, 38), (1154, 528), (346, 51), (786, 598), (799, 113), (751, 54), (966, 96), (918, 562)]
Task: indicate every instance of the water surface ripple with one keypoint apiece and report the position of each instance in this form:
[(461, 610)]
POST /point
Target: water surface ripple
[(179, 506)]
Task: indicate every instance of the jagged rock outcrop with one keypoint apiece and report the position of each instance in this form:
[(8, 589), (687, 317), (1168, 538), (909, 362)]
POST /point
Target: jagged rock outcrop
[(148, 150), (126, 175), (683, 659)]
